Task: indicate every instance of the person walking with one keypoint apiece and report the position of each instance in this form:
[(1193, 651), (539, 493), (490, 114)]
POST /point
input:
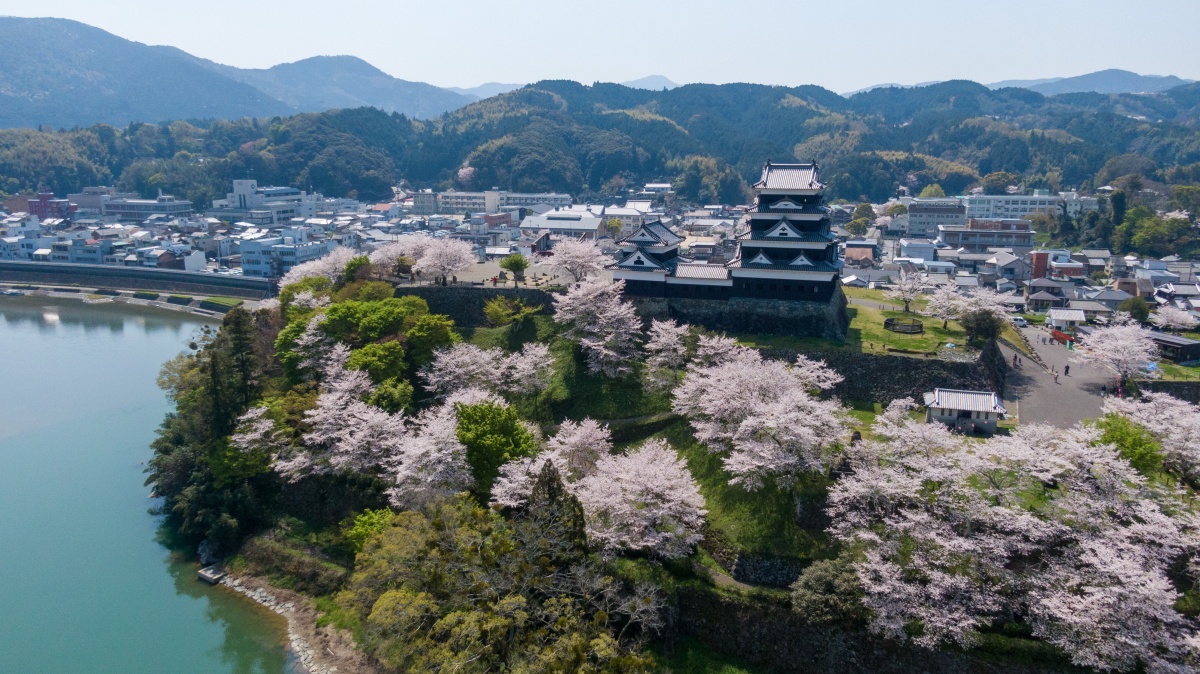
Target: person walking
[(1066, 370), (1104, 390), (1055, 377)]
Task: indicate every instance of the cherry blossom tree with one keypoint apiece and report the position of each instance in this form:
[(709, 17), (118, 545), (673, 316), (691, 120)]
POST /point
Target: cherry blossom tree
[(577, 259), (464, 365), (605, 326), (1124, 348), (761, 415), (1174, 423), (944, 303), (408, 246), (445, 257), (908, 288), (305, 299), (528, 371), (256, 432), (429, 462), (574, 451), (1047, 522), (577, 447), (643, 501), (666, 351), (1173, 318), (332, 266), (716, 349)]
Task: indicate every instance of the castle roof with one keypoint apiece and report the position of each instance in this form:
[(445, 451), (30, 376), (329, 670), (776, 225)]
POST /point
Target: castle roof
[(789, 177)]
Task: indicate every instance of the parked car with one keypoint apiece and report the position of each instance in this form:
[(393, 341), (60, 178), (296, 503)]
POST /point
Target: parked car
[(1020, 322)]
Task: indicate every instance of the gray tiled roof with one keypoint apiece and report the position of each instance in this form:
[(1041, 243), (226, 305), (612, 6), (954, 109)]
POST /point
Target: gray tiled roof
[(701, 271), (790, 177), (973, 401)]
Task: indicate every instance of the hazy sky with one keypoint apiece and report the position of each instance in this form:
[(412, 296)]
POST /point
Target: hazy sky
[(839, 44)]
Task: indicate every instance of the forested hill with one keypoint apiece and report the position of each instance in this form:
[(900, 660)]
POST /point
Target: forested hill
[(598, 140)]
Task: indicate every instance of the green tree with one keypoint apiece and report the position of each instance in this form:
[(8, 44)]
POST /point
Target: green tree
[(998, 182), (1187, 197), (1118, 204), (493, 435), (613, 227), (357, 268), (933, 191), (380, 360), (858, 226), (863, 211), (1134, 442), (501, 311), (430, 333), (517, 264), (392, 395), (1136, 307), (898, 209)]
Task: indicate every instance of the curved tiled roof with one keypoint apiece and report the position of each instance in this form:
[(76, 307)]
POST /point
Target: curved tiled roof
[(789, 177)]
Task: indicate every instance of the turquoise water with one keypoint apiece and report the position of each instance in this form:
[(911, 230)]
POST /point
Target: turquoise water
[(85, 583)]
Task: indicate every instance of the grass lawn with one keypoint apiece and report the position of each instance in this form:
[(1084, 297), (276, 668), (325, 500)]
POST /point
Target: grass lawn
[(1176, 372), (760, 522), (225, 301), (867, 334), (574, 393)]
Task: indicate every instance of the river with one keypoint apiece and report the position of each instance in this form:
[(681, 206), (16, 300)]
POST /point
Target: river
[(86, 583)]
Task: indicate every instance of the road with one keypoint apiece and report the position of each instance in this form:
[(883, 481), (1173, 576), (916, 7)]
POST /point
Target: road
[(1034, 397)]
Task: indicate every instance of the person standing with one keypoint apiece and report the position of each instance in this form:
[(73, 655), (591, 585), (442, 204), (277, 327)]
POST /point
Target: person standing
[(1067, 370), (1055, 377)]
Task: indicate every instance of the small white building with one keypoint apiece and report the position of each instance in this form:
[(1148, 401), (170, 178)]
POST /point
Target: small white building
[(966, 411), (1065, 319)]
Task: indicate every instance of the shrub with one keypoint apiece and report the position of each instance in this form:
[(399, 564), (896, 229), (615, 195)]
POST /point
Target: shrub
[(288, 566)]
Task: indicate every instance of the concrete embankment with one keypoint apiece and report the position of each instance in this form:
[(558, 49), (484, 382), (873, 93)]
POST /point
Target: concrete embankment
[(134, 278)]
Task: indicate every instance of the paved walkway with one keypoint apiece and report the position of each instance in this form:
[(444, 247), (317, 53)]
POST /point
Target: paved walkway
[(1032, 395)]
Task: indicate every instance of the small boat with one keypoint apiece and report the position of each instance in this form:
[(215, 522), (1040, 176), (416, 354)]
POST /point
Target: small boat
[(12, 293), (211, 574)]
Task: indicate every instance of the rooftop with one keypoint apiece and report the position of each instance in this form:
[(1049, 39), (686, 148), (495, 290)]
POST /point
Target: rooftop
[(973, 401), (789, 177)]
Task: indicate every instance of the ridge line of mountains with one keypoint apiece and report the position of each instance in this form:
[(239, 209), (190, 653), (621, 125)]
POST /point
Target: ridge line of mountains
[(63, 73)]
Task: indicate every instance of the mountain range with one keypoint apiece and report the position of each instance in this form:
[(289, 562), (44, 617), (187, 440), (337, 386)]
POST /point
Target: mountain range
[(64, 73)]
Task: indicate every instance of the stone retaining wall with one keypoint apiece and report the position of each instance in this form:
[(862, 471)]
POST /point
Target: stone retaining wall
[(880, 378), (1184, 390), (826, 320), (772, 636)]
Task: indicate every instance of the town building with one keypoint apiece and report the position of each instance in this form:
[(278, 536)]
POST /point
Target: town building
[(978, 235), (964, 411), (926, 215), (1010, 206), (788, 252), (45, 206), (575, 224), (272, 257), (129, 209), (1177, 348), (264, 205)]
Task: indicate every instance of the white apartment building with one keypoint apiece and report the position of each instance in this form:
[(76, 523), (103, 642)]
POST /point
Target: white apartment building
[(1008, 206), (1077, 204), (265, 205), (492, 201), (272, 257)]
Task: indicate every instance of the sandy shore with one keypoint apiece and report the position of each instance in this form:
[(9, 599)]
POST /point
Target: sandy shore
[(321, 650)]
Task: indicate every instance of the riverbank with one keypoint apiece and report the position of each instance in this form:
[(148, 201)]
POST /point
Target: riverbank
[(94, 296), (320, 649)]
